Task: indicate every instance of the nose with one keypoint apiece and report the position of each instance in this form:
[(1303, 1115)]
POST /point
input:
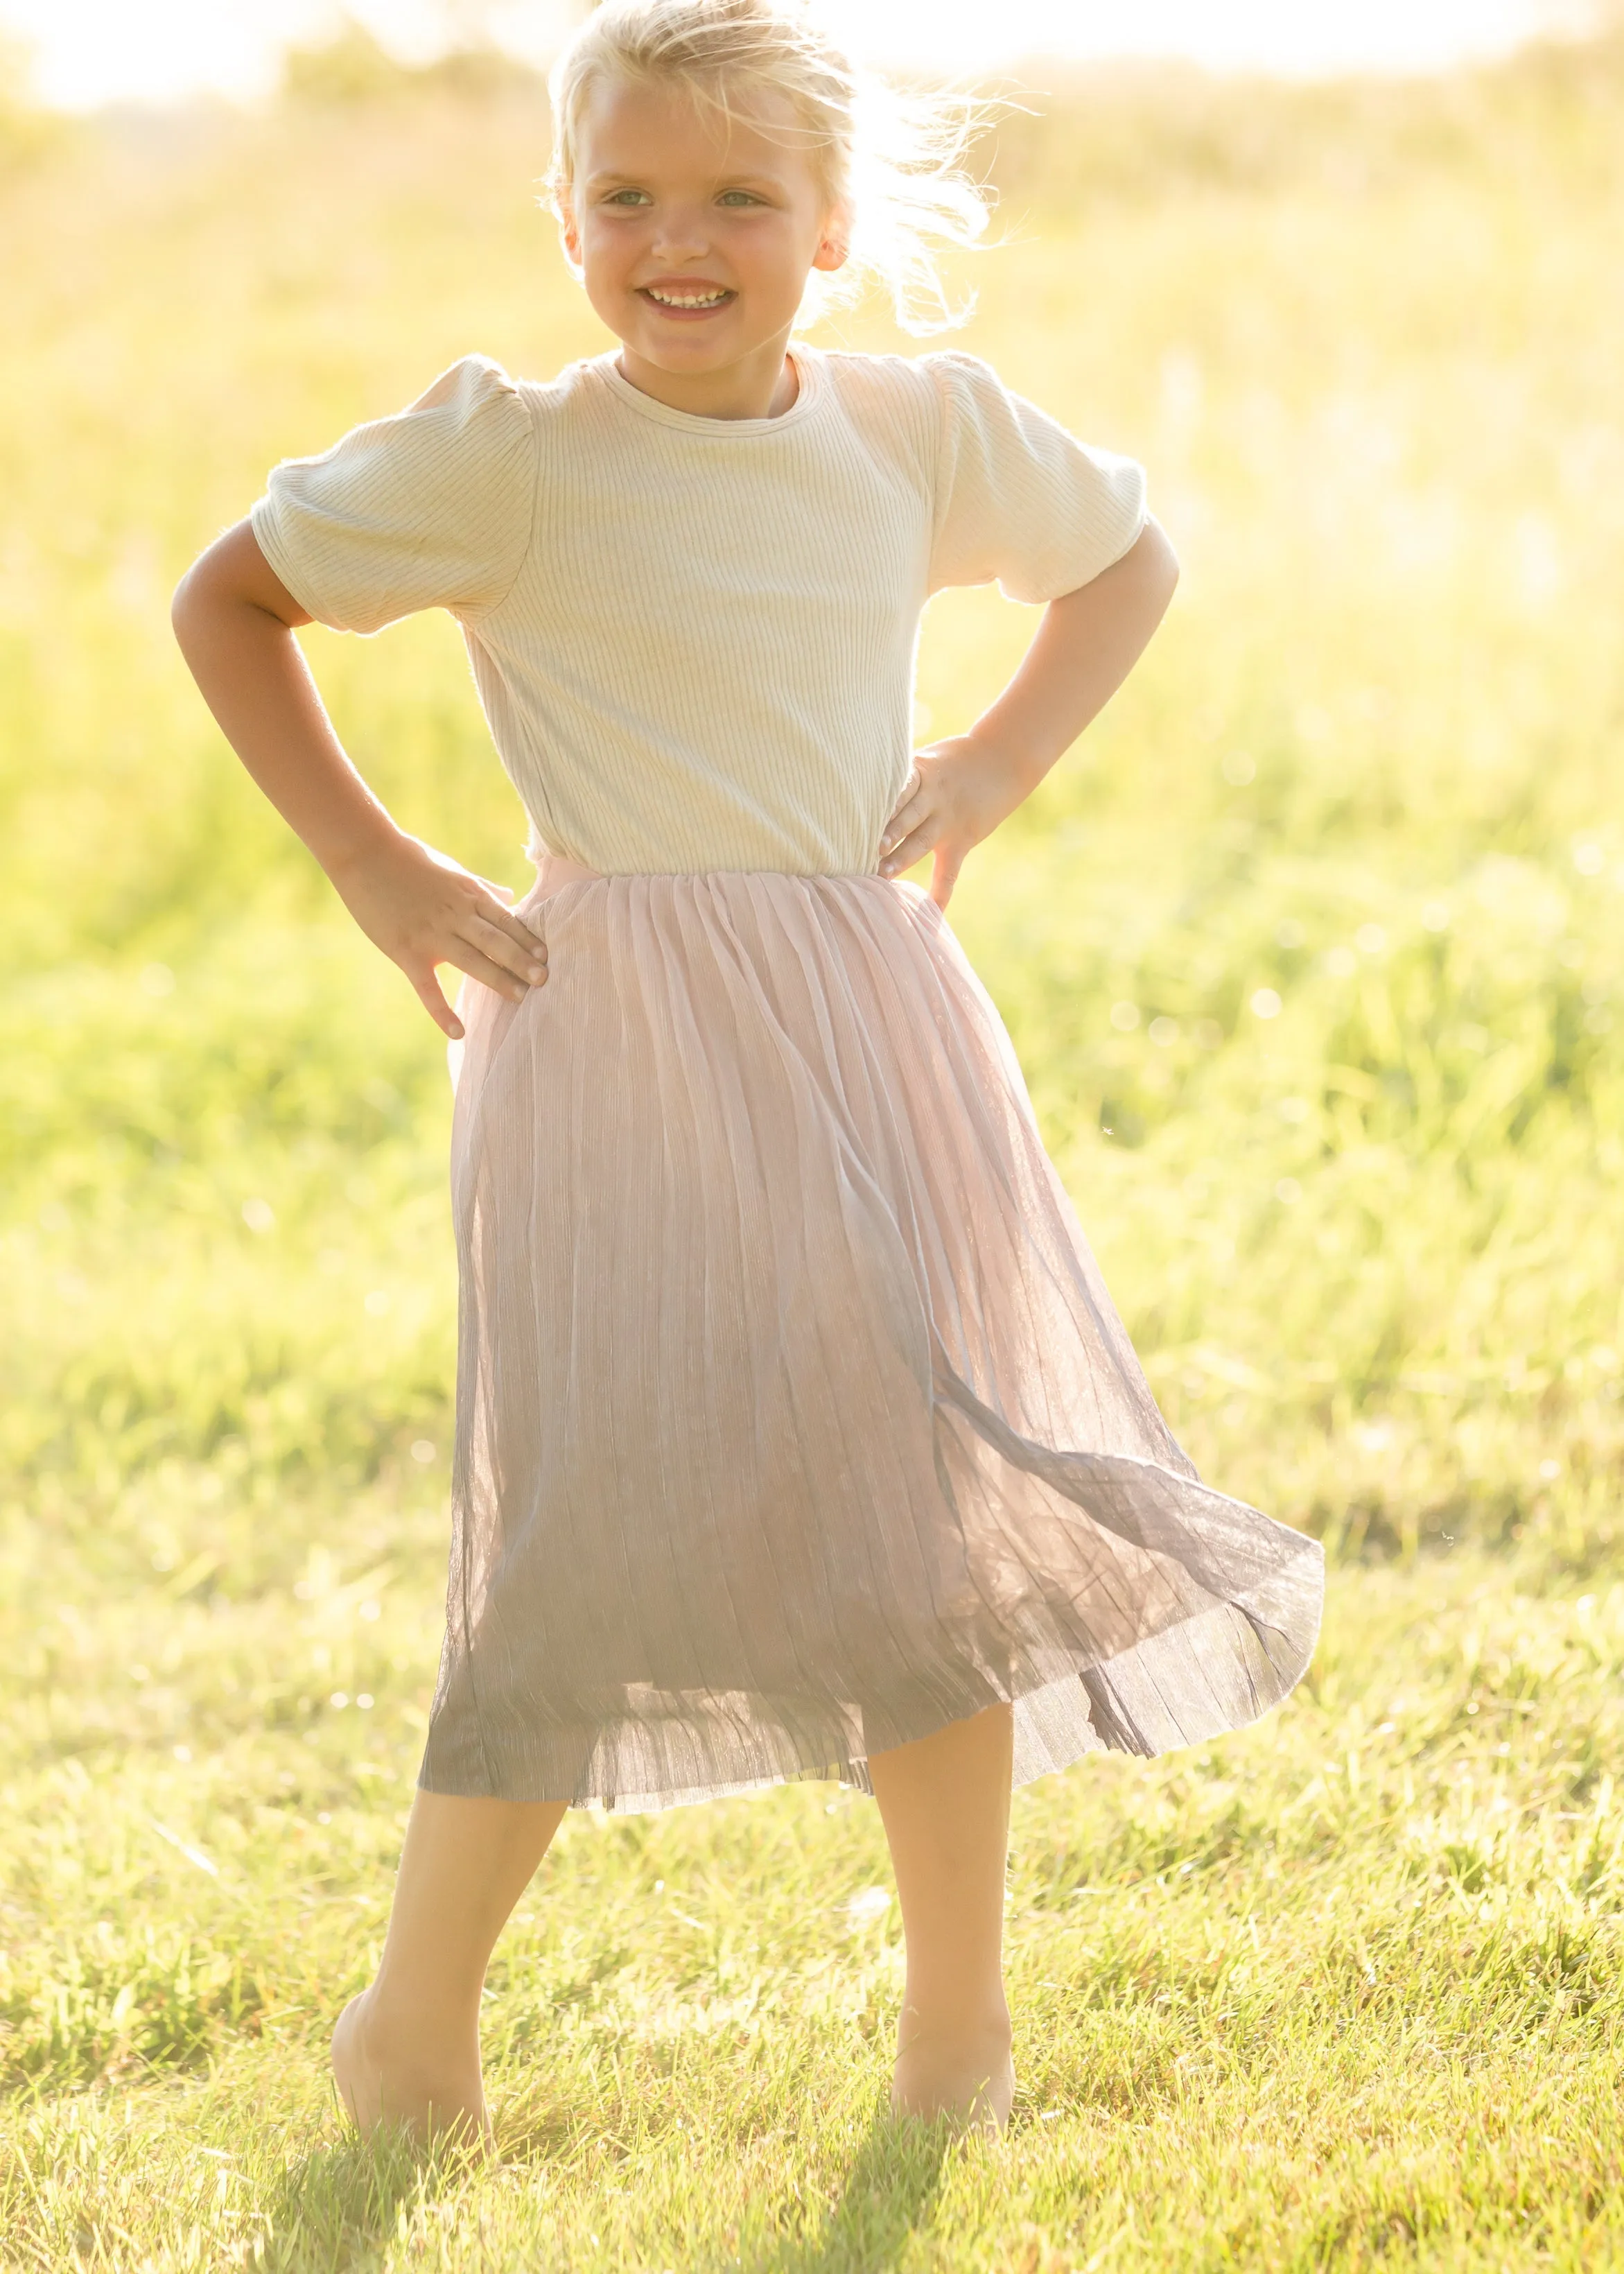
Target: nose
[(681, 236)]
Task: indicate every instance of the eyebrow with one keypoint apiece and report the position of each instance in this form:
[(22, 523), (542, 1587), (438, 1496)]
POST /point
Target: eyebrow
[(728, 181)]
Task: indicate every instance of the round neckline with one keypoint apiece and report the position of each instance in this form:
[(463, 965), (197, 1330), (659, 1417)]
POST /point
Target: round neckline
[(808, 387)]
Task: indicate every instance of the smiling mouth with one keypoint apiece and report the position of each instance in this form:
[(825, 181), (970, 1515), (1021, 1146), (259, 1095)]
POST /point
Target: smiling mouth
[(688, 303)]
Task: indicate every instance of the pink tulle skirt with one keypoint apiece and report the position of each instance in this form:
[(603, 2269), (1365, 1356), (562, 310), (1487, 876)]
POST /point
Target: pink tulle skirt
[(794, 1422)]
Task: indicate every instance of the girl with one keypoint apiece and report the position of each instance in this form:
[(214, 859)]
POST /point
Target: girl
[(796, 1433)]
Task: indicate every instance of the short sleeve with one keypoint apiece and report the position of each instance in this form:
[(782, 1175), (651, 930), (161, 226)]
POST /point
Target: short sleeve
[(431, 508), (1018, 498)]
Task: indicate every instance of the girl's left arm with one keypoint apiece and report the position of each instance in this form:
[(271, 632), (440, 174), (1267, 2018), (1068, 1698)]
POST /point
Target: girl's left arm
[(1085, 646)]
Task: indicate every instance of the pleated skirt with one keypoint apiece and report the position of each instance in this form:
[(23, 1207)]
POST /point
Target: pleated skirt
[(794, 1422)]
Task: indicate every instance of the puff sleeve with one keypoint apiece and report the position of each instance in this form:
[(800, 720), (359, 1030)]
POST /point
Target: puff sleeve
[(1018, 497), (431, 508)]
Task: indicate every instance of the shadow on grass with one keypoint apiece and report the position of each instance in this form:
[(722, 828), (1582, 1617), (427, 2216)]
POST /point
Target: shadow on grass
[(893, 2181), (340, 2204)]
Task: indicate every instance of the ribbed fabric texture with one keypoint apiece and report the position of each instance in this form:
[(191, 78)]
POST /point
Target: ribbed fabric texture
[(695, 638), (793, 1420)]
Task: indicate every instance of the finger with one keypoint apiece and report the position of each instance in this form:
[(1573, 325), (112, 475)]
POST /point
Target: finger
[(503, 917), (909, 801), (528, 962), (906, 818), (487, 971), (435, 1004), (913, 846), (944, 874), (512, 927)]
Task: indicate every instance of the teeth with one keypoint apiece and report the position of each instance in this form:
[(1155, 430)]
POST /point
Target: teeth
[(687, 300)]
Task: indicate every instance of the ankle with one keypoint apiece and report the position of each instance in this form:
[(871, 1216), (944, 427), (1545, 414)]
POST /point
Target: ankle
[(397, 2025), (947, 2023), (387, 2074), (960, 2068)]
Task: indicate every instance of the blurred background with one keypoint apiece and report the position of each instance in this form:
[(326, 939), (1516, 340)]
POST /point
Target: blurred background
[(90, 52), (1312, 949)]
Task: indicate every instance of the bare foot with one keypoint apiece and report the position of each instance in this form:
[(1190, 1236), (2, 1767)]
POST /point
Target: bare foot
[(968, 2079), (383, 2079)]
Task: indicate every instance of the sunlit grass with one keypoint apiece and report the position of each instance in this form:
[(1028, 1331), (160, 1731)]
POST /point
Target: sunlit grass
[(1343, 1987), (1313, 954)]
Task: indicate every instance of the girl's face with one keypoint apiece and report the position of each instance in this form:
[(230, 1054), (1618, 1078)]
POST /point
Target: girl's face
[(694, 234)]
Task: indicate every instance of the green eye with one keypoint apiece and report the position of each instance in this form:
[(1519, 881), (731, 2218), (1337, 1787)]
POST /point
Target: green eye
[(745, 194)]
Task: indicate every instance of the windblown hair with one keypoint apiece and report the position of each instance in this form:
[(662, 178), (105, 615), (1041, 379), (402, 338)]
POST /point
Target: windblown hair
[(895, 158)]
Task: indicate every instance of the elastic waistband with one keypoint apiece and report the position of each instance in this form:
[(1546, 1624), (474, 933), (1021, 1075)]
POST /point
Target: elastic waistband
[(552, 869)]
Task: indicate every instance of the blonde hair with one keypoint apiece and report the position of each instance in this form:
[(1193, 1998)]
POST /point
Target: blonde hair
[(895, 159)]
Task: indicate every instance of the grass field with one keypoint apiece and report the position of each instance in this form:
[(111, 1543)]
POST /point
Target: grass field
[(1314, 952)]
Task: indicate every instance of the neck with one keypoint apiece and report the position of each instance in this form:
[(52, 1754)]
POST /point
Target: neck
[(762, 385)]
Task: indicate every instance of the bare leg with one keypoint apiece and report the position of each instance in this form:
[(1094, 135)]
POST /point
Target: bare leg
[(945, 1805), (407, 2050)]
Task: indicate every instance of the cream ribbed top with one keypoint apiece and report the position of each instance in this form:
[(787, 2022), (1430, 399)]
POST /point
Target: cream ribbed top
[(695, 638)]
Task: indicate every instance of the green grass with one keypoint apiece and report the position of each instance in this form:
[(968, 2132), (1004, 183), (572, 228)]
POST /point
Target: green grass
[(1342, 1990)]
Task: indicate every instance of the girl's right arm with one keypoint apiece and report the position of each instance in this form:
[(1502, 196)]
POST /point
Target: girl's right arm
[(235, 621)]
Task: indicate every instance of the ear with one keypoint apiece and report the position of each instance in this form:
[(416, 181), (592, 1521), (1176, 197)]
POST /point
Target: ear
[(569, 235), (835, 242)]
